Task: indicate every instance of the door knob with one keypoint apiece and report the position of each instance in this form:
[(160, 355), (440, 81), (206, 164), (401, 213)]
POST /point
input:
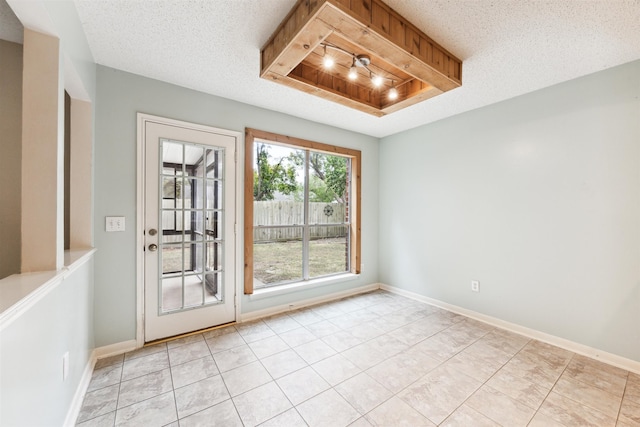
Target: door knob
[(153, 247)]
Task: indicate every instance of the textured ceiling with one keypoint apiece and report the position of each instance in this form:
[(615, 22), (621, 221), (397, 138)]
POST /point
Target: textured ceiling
[(508, 48), (10, 27)]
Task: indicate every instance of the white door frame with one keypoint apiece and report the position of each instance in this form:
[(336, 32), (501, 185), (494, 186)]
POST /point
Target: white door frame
[(140, 212)]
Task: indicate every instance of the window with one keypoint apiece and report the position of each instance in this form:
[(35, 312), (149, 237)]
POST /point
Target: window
[(302, 218)]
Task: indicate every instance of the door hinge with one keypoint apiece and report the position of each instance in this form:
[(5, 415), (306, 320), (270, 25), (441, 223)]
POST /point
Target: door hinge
[(235, 156), (235, 228)]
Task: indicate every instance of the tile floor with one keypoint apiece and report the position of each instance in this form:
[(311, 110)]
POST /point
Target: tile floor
[(377, 359)]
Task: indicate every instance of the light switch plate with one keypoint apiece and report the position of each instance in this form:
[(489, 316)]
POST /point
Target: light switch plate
[(114, 223)]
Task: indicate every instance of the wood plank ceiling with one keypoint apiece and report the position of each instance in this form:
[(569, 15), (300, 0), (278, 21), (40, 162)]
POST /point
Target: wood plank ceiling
[(405, 57)]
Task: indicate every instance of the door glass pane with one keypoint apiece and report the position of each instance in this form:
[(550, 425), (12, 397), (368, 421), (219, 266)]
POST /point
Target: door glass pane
[(191, 209)]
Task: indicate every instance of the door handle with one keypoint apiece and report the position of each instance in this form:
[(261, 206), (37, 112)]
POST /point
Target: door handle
[(153, 247)]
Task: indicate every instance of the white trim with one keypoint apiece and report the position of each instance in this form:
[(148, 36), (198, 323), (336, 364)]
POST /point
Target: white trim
[(142, 118), (253, 315), (115, 349), (81, 390), (20, 292), (301, 286), (584, 350)]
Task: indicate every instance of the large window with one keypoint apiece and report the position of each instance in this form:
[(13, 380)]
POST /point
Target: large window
[(302, 218)]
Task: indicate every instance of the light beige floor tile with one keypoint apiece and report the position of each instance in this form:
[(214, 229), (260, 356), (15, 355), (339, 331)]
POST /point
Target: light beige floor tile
[(224, 342), (472, 328), (336, 369), (190, 339), (632, 390), (364, 315), (361, 422), (365, 331), (193, 371), (517, 388), (144, 365), (118, 359), (402, 369), (219, 332), (297, 337), (439, 393), (419, 330), (630, 413), (305, 316), (500, 408), (157, 411), (105, 420), (445, 344), (479, 361), (289, 418), (261, 404), (341, 341), (314, 351), (245, 378), (541, 420), (572, 413), (505, 341), (363, 392), (364, 356), (254, 331), (327, 311), (588, 395), (145, 351), (324, 328), (597, 374), (536, 369), (302, 385), (343, 321), (283, 363), (222, 414), (387, 345), (106, 376), (465, 416), (395, 412), (231, 359), (145, 387), (200, 395), (99, 402), (268, 346), (281, 323), (315, 413), (188, 352)]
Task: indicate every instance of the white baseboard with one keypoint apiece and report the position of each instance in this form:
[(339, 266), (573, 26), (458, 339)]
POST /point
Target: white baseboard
[(253, 315), (114, 349), (594, 353), (78, 397)]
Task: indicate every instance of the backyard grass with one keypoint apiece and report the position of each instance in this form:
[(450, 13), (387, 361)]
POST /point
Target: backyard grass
[(282, 261)]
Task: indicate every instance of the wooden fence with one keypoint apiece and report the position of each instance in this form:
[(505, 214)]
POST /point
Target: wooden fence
[(292, 213)]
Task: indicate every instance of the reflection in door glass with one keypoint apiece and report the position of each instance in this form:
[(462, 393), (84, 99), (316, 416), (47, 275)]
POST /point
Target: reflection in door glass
[(191, 213)]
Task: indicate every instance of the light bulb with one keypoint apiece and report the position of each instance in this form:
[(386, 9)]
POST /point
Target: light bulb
[(328, 62), (376, 80), (393, 93), (353, 72)]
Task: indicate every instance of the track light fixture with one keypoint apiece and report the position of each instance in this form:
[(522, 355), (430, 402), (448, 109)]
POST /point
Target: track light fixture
[(358, 61)]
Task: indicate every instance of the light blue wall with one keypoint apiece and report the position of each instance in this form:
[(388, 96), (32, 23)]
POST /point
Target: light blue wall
[(538, 198), (32, 390), (120, 96)]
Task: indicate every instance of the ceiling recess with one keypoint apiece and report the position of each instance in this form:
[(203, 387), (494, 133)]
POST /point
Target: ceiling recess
[(410, 66)]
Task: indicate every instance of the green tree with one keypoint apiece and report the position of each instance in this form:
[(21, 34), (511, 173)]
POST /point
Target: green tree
[(269, 177), (328, 177)]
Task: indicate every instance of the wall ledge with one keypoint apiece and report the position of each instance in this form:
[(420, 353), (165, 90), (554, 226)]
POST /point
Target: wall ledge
[(593, 353), (20, 292)]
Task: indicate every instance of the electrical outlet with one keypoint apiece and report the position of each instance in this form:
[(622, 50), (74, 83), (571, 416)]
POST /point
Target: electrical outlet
[(114, 223), (65, 366), (475, 286)]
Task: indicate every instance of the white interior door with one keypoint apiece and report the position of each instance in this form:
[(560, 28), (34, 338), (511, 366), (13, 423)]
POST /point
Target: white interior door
[(189, 248)]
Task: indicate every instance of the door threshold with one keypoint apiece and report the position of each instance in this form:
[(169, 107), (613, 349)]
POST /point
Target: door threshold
[(188, 334)]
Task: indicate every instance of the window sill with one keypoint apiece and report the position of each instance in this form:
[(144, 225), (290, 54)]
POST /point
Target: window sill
[(301, 286)]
